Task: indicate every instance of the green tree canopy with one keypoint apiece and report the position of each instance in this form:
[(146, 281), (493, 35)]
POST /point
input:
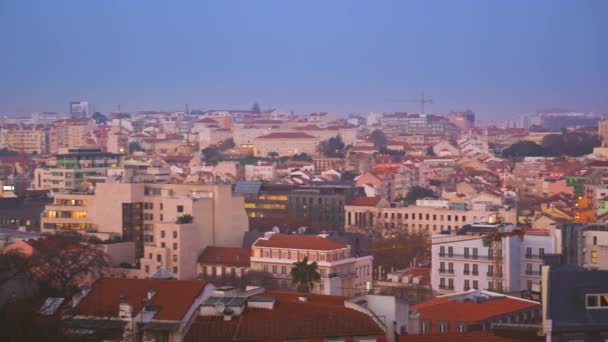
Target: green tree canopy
[(378, 138), (99, 118), (524, 149), (418, 192), (304, 274), (333, 147)]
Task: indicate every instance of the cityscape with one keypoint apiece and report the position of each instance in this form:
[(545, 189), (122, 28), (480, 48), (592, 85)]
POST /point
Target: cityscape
[(237, 216)]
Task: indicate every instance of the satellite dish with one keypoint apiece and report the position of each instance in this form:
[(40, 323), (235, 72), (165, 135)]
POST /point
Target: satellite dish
[(220, 307)]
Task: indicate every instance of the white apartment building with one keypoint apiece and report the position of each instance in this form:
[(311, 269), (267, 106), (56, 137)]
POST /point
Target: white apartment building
[(465, 260), (427, 216), (260, 171), (341, 273)]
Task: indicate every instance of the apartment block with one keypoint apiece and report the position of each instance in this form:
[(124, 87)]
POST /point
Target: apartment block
[(148, 214), (28, 139), (585, 245), (468, 259)]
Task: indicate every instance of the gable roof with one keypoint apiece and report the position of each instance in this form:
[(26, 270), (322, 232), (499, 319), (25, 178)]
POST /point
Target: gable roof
[(173, 297), (365, 201), (232, 256), (299, 242)]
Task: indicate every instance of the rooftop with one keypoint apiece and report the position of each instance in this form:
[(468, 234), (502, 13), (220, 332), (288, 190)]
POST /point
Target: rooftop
[(299, 242), (225, 256)]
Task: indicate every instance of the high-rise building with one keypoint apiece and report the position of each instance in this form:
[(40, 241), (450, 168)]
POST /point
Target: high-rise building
[(81, 109)]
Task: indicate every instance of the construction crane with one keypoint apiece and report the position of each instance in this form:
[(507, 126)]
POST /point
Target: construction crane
[(494, 241), (422, 101)]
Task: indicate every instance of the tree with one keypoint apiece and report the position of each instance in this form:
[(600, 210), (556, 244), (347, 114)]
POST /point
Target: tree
[(99, 118), (273, 155), (304, 274), (350, 175), (210, 153), (385, 150), (184, 219), (62, 263), (226, 144), (418, 192), (430, 151), (573, 144), (256, 108), (525, 149), (333, 147), (301, 157), (378, 138), (135, 146)]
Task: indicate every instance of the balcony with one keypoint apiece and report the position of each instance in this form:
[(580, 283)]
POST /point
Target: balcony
[(475, 273), (532, 273), (494, 274), (469, 257), (466, 272), (446, 271), (446, 287), (536, 257)]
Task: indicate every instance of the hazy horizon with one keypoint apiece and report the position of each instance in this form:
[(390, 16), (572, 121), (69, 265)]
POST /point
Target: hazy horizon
[(500, 59)]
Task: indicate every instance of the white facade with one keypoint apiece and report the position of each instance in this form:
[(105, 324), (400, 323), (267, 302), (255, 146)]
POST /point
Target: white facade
[(260, 171), (463, 262)]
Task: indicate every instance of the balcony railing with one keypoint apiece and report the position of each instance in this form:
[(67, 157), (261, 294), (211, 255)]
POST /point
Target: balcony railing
[(467, 272), (494, 274), (470, 256), (446, 287), (446, 271), (532, 273), (475, 273), (533, 257)]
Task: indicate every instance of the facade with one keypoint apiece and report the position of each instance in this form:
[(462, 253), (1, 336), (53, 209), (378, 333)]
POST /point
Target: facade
[(69, 133), (260, 171), (27, 139), (74, 169), (575, 304), (341, 273), (147, 214), (285, 144), (218, 262), (81, 109), (425, 217), (321, 204), (265, 203), (466, 260), (585, 245)]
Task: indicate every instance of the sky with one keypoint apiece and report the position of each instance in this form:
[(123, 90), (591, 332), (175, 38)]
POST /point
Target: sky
[(497, 58)]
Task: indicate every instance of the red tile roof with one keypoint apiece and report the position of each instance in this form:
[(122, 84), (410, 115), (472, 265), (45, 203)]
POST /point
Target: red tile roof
[(207, 121), (286, 135), (445, 308), (173, 297), (299, 242), (231, 256), (321, 316), (365, 201), (477, 336)]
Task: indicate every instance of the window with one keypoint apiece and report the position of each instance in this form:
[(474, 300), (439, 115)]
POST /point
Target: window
[(443, 327), (475, 284), (162, 245), (594, 257), (174, 269), (541, 252), (442, 251), (466, 269), (451, 267), (528, 252), (150, 256), (597, 301), (529, 284), (161, 206), (283, 270), (274, 269), (475, 269), (175, 235), (161, 217), (147, 268), (474, 253), (174, 257), (466, 284), (595, 240), (451, 284), (466, 252), (159, 258), (162, 233), (450, 251), (175, 246)]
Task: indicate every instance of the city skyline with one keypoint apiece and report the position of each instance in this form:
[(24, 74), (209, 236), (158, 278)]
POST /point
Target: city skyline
[(498, 59)]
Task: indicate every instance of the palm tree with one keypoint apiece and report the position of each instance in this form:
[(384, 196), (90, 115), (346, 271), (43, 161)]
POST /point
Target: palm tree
[(304, 274)]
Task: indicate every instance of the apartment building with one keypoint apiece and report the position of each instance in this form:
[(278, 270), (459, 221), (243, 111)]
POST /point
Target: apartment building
[(466, 260), (285, 144), (341, 272), (69, 133), (585, 245), (148, 213), (28, 139), (74, 168), (262, 170), (427, 216)]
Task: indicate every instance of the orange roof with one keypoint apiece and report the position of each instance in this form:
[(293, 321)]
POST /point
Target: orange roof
[(444, 308), (225, 256), (321, 316), (286, 135), (173, 297), (477, 336), (365, 201), (298, 242)]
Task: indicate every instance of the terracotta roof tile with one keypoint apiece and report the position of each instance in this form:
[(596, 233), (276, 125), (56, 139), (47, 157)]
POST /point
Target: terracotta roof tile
[(225, 256), (286, 135), (365, 201), (174, 297), (299, 242)]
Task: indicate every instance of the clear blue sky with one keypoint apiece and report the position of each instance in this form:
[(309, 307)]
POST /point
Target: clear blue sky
[(499, 58)]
